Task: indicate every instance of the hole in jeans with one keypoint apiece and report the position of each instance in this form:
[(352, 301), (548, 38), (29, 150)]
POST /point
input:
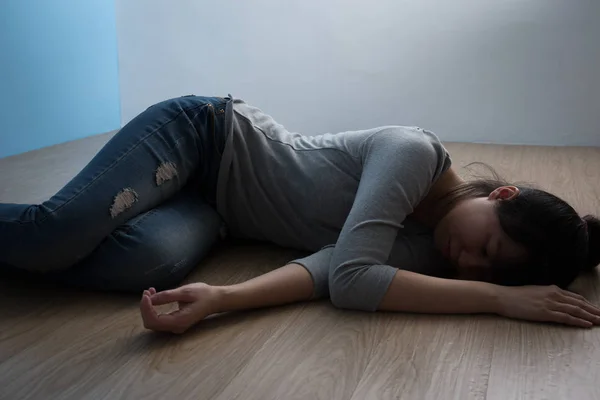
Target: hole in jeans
[(123, 201), (165, 172)]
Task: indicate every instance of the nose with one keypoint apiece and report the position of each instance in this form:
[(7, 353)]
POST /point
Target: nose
[(472, 260)]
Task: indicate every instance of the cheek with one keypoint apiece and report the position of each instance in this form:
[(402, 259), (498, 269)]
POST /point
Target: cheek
[(470, 232)]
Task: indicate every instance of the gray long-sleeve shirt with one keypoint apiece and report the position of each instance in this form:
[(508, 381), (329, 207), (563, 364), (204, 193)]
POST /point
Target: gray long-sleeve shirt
[(344, 196)]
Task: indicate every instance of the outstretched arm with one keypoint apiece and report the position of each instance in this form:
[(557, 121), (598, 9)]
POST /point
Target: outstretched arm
[(289, 284), (412, 292)]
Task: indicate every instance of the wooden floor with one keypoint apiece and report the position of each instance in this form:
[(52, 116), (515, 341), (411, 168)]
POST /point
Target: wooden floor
[(63, 344)]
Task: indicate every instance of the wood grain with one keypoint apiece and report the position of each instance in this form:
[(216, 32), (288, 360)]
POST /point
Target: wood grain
[(321, 355), (64, 344), (426, 357)]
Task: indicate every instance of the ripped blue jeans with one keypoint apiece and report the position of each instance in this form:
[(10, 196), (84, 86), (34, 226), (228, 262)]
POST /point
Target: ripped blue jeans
[(140, 214)]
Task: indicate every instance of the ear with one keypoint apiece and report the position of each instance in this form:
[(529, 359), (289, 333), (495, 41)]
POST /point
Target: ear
[(504, 193)]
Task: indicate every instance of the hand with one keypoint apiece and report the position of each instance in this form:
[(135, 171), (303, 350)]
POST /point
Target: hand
[(196, 301), (548, 304)]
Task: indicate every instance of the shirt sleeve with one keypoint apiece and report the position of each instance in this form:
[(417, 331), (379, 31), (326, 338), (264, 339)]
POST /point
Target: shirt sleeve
[(317, 264), (399, 166)]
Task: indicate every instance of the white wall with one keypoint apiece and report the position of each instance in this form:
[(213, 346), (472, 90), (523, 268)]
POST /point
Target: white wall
[(503, 71)]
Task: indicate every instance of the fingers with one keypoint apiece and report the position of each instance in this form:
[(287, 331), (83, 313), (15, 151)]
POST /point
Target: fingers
[(589, 307), (573, 295), (176, 321), (584, 305), (592, 309), (170, 296), (147, 311), (567, 319), (578, 312), (169, 323)]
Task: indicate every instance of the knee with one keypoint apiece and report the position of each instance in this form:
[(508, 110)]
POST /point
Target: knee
[(159, 264), (159, 276)]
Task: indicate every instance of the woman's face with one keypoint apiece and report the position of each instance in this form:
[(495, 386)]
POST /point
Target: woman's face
[(471, 238)]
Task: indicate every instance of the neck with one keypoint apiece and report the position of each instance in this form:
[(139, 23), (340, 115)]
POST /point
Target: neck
[(432, 208)]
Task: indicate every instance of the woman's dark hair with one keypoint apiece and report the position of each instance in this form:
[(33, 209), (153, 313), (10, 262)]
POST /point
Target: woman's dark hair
[(560, 243)]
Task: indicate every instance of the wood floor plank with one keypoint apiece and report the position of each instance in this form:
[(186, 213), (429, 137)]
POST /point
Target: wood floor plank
[(199, 365), (532, 362), (321, 355), (34, 176), (431, 357), (543, 361)]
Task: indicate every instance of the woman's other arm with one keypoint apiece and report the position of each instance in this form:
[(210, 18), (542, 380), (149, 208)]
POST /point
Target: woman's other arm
[(413, 292)]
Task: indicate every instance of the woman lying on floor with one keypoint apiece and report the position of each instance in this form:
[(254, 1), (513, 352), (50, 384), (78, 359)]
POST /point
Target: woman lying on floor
[(389, 224)]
